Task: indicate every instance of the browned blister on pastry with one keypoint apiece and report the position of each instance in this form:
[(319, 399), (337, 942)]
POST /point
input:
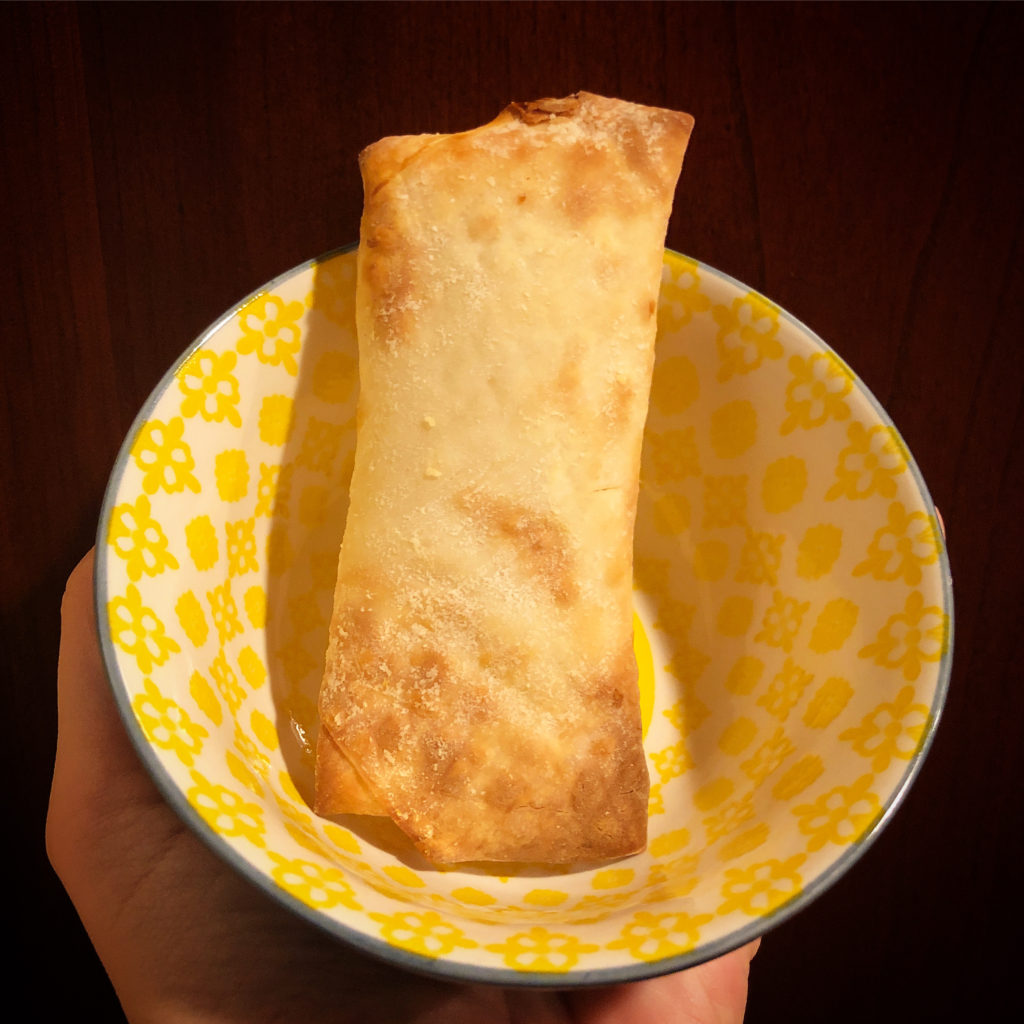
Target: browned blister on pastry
[(480, 686)]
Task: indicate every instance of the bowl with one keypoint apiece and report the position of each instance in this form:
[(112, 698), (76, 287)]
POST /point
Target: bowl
[(793, 630)]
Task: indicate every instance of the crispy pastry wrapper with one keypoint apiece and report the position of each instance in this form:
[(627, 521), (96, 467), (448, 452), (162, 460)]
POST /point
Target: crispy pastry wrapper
[(480, 685)]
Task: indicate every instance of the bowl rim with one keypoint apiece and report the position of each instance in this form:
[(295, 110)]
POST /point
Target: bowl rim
[(455, 971)]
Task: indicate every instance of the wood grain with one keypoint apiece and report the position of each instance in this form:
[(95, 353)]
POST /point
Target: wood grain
[(860, 164)]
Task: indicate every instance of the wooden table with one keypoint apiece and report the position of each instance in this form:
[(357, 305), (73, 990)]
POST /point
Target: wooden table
[(860, 165)]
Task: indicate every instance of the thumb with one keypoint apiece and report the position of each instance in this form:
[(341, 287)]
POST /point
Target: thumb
[(96, 770)]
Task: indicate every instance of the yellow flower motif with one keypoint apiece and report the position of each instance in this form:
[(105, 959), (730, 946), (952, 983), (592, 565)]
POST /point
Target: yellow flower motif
[(649, 574), (670, 842), (797, 777), (273, 490), (301, 829), (298, 823), (816, 392), (680, 296), (818, 550), (656, 800), (206, 700), (745, 842), (652, 937), (671, 514), (839, 816), (270, 328), (241, 547), (227, 813), (761, 888), (784, 484), (247, 762), (139, 539), (915, 635), (744, 676), (713, 793), (138, 632), (163, 457), (306, 835), (231, 471), (687, 664), (266, 489), (733, 428), (334, 377), (725, 500), (385, 885), (612, 878), (251, 752), (674, 616), (785, 690), (869, 464), (735, 615), (275, 419), (598, 906), (333, 290), (672, 761), (296, 662), (243, 772), (768, 757), (828, 703), (321, 443), (760, 558), (710, 559), (167, 725), (688, 713), (834, 625), (224, 612), (305, 611), (262, 727), (541, 950), (893, 729), (678, 877), (316, 885), (201, 538), (314, 502), (899, 549), (673, 454), (342, 840), (747, 335), (255, 600), (209, 387), (424, 933), (730, 817), (675, 385), (226, 681), (252, 667), (191, 618), (782, 621), (737, 736)]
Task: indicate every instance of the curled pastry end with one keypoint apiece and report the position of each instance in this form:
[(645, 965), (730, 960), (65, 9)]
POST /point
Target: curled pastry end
[(539, 111)]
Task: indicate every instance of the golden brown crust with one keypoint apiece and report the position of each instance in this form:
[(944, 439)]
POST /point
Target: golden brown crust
[(480, 686), (339, 789)]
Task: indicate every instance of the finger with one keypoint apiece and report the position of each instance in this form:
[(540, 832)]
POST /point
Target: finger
[(714, 992), (87, 719)]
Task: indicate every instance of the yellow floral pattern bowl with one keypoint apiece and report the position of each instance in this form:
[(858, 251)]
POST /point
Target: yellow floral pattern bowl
[(793, 631)]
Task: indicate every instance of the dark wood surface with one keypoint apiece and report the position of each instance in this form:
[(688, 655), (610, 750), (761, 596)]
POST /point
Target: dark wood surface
[(860, 165)]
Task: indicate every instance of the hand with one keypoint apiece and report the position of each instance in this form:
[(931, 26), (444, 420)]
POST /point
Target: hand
[(184, 938)]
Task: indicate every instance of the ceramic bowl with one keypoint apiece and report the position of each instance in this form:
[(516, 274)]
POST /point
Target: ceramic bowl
[(793, 630)]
